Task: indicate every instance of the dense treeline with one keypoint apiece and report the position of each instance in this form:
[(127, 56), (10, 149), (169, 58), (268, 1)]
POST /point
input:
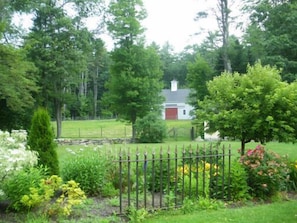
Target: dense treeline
[(61, 65)]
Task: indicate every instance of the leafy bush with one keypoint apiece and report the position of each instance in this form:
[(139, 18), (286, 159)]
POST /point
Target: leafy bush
[(160, 175), (267, 172), (235, 185), (41, 139), (238, 182), (113, 176), (292, 182), (194, 182), (89, 171), (150, 129), (19, 184), (43, 196)]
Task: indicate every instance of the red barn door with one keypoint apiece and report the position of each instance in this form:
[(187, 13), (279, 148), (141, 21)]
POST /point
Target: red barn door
[(171, 114)]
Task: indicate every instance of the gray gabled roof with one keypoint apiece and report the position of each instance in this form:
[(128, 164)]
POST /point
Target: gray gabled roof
[(178, 96)]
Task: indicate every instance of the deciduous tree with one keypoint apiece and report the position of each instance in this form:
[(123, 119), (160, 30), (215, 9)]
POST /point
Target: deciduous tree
[(253, 106), (134, 85)]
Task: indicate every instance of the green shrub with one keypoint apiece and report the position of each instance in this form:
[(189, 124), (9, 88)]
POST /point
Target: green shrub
[(194, 186), (292, 182), (41, 139), (19, 184), (54, 198), (235, 187), (89, 171), (113, 176), (238, 182), (150, 129), (160, 175), (267, 172)]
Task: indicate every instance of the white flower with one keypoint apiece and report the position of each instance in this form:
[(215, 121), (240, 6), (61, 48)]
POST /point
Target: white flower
[(13, 153)]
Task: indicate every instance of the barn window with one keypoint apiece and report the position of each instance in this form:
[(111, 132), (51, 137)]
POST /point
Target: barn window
[(184, 112)]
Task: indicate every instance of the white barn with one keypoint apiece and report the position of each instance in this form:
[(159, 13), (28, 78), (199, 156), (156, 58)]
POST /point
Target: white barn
[(175, 106)]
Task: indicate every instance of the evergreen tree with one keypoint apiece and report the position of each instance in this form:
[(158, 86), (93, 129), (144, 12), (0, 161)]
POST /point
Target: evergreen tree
[(41, 139)]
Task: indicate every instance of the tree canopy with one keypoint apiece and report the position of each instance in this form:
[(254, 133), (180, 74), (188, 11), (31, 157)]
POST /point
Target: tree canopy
[(134, 85), (253, 106)]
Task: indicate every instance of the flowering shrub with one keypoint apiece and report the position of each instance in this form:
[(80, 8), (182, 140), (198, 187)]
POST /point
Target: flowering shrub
[(193, 179), (267, 172), (13, 153)]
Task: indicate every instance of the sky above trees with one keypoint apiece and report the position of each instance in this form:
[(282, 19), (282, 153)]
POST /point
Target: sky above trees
[(170, 20)]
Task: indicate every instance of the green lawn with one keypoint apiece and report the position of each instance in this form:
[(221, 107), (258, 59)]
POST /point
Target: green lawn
[(109, 128), (281, 212)]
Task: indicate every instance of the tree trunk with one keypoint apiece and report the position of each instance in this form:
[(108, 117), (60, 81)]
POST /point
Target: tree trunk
[(95, 92), (133, 121), (242, 146), (59, 119), (224, 20)]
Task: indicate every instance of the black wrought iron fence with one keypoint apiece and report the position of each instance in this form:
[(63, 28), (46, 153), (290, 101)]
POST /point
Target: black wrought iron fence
[(165, 179)]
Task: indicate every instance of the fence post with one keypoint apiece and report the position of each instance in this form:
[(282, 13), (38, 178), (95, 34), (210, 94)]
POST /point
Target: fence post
[(175, 175), (145, 180), (121, 182), (137, 174), (129, 178), (153, 178), (192, 133), (161, 176)]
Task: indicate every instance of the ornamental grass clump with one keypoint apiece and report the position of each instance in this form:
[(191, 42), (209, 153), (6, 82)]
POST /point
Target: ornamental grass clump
[(268, 172)]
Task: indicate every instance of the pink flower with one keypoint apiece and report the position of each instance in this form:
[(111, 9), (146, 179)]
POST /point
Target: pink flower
[(249, 152)]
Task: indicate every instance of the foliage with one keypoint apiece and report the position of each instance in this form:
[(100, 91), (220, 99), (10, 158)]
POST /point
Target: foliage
[(173, 65), (193, 181), (238, 182), (271, 35), (160, 174), (14, 155), (292, 182), (135, 67), (189, 205), (41, 139), (230, 187), (58, 46), (150, 129), (267, 172), (43, 196), (89, 171), (136, 215), (139, 91), (19, 184), (17, 88), (108, 190), (199, 73), (251, 106)]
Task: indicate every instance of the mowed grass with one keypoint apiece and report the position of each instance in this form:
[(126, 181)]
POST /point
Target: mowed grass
[(280, 212), (110, 128)]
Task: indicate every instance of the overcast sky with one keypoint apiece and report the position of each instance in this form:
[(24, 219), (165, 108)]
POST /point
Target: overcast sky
[(172, 21)]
